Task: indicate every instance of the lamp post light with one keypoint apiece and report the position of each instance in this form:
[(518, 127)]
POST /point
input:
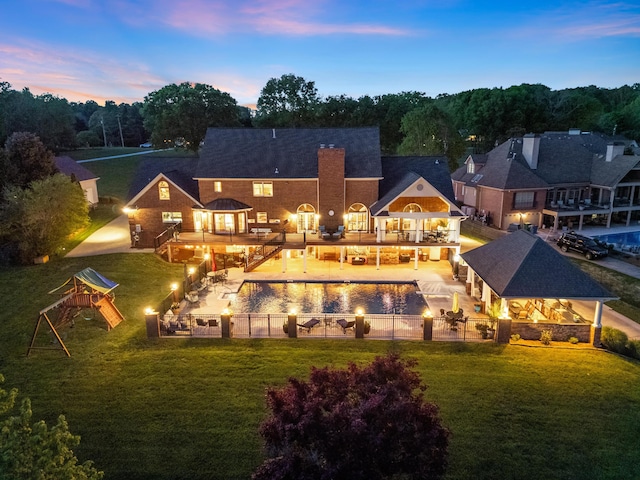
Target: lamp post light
[(427, 325), (174, 291), (207, 256), (359, 323)]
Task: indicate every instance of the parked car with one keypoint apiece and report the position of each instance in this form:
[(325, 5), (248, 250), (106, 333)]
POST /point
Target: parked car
[(580, 243), (146, 145)]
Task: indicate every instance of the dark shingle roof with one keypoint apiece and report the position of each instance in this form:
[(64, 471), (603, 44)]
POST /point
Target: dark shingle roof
[(179, 170), (609, 174), (226, 205), (255, 153), (522, 265), (69, 166), (563, 159), (434, 169)]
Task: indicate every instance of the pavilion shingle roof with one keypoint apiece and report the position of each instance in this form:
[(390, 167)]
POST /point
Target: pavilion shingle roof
[(291, 152), (434, 169), (522, 265), (226, 205)]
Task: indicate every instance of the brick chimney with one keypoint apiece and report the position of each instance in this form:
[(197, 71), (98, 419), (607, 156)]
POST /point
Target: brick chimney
[(531, 149), (613, 150), (331, 186)]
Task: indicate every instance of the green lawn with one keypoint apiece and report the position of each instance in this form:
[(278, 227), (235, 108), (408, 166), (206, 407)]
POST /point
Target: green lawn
[(190, 408)]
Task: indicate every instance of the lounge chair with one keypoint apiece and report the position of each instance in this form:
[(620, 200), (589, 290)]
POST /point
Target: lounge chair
[(308, 325), (346, 324), (339, 233)]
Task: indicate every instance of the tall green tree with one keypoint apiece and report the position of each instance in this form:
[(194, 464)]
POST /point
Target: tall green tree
[(430, 131), (33, 451), (38, 219), (186, 111), (288, 101), (26, 159)]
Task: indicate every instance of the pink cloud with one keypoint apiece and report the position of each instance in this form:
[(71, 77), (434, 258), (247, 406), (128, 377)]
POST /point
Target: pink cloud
[(203, 17)]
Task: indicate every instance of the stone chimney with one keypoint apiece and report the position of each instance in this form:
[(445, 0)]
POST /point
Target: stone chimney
[(331, 186), (531, 149), (614, 149)]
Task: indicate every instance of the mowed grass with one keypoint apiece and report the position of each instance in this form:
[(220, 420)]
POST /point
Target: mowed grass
[(190, 408)]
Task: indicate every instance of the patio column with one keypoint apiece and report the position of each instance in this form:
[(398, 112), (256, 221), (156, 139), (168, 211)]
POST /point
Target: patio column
[(415, 259), (284, 261), (469, 281), (377, 258), (417, 231), (377, 229), (580, 222), (304, 260), (486, 296), (597, 315), (341, 258)]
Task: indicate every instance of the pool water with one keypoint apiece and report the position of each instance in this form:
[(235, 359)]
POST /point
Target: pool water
[(311, 297), (629, 239)]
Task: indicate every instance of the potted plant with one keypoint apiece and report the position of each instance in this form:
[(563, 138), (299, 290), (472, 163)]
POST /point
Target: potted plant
[(175, 307), (285, 327), (367, 327), (485, 330)]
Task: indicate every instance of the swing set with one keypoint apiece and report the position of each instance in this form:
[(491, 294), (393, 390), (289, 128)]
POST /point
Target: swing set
[(86, 289)]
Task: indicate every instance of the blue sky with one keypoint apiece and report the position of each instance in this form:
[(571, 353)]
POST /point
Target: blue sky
[(122, 50)]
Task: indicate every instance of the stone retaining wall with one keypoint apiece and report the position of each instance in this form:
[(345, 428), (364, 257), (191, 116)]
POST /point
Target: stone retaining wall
[(561, 332)]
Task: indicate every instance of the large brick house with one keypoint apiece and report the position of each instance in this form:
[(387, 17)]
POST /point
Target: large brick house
[(325, 188), (556, 179)]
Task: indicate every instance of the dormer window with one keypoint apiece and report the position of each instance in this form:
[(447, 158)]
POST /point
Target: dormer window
[(163, 191), (471, 167)]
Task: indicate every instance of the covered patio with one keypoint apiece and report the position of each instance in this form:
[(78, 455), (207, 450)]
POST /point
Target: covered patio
[(523, 279)]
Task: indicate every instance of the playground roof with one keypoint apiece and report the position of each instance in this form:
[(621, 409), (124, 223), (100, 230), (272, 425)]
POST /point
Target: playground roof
[(90, 278)]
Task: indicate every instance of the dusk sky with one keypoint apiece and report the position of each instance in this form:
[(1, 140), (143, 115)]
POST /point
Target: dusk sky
[(122, 50)]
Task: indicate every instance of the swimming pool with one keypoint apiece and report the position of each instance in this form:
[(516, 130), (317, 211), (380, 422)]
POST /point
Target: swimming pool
[(312, 297), (620, 240)]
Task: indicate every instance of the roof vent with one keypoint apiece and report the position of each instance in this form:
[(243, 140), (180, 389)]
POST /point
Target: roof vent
[(331, 145), (273, 133), (322, 145), (437, 162), (277, 171)]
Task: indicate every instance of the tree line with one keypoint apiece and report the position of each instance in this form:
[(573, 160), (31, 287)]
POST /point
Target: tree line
[(410, 122)]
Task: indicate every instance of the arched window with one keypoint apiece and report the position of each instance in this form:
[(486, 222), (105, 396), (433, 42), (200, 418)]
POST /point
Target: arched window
[(306, 218), (412, 208), (163, 190), (357, 218)]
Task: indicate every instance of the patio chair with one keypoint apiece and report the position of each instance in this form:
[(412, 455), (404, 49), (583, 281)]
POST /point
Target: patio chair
[(339, 233), (322, 231), (346, 324), (308, 325), (192, 298)]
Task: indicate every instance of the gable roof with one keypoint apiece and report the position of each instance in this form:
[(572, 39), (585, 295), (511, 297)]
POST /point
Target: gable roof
[(522, 265), (609, 174), (434, 169), (69, 166), (179, 171), (502, 170), (291, 152)]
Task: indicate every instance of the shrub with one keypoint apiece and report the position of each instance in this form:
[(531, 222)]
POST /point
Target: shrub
[(546, 336), (614, 340), (573, 340), (359, 423), (515, 337), (634, 348)]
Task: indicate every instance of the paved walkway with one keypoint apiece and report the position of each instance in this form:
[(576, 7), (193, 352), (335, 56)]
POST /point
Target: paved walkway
[(434, 278)]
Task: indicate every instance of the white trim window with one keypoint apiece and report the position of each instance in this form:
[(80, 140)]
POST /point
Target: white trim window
[(163, 190), (171, 217), (263, 189)]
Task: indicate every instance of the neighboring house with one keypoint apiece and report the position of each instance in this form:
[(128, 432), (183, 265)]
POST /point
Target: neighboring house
[(556, 179), (88, 181), (318, 184)]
